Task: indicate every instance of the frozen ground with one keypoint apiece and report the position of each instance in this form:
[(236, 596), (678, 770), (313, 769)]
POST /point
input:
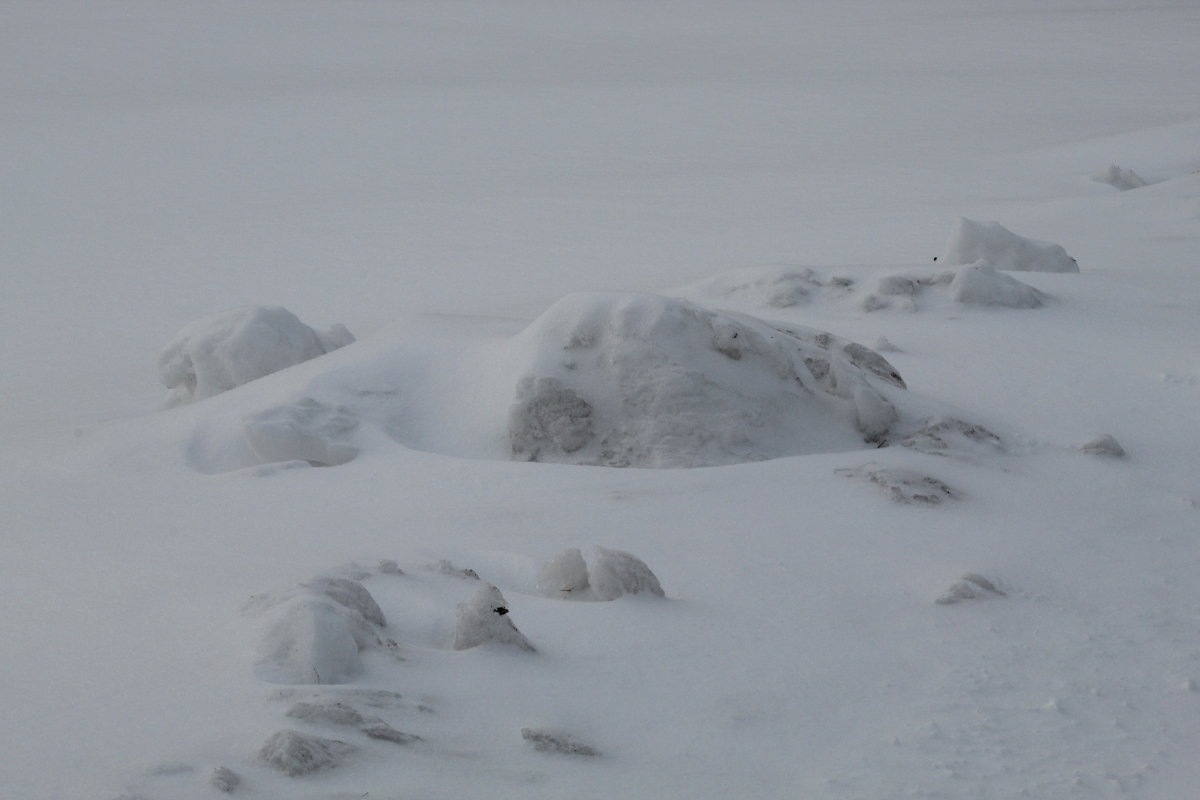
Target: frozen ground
[(991, 606)]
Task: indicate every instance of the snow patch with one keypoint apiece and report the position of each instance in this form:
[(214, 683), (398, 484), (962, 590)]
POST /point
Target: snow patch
[(225, 350), (973, 241)]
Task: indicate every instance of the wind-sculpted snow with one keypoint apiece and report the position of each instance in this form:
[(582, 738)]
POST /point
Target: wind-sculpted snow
[(973, 241), (223, 351)]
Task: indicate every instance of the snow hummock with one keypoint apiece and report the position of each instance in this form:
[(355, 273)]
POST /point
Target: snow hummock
[(649, 381), (223, 351), (615, 573), (972, 241)]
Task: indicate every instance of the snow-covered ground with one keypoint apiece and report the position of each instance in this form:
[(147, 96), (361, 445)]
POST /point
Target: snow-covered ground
[(570, 237)]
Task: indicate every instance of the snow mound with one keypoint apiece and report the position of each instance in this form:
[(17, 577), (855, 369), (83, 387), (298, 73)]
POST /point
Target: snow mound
[(971, 587), (973, 241), (315, 632), (902, 485), (1123, 179), (294, 753), (337, 713), (485, 619), (943, 435), (223, 351), (553, 741), (649, 381), (1102, 445), (564, 575), (981, 285)]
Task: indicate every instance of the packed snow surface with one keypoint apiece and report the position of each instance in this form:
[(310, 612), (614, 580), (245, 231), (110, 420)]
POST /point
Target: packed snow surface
[(570, 237)]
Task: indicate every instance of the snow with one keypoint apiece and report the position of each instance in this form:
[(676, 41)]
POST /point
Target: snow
[(981, 284), (467, 186), (991, 242)]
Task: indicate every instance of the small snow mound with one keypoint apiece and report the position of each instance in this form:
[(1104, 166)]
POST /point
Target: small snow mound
[(565, 575), (649, 381), (224, 779), (971, 587), (883, 345), (902, 485), (485, 619), (553, 741), (223, 351), (1102, 445), (294, 753), (943, 435), (615, 573), (1123, 179), (981, 285), (973, 241), (306, 430), (773, 287)]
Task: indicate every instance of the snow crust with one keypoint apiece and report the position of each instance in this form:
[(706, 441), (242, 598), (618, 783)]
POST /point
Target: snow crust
[(973, 241), (223, 351)]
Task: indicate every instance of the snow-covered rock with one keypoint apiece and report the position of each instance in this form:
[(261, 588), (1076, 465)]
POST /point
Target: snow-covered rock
[(554, 741), (225, 350), (943, 435), (314, 632), (614, 573), (971, 587), (649, 381), (294, 753), (1102, 445), (981, 285), (902, 485), (1123, 179), (485, 619), (973, 241)]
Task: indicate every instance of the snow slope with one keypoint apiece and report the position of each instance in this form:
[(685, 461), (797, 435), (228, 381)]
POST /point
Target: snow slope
[(436, 176)]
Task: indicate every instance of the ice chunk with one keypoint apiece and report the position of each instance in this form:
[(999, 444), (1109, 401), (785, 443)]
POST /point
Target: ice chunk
[(980, 284), (973, 241), (551, 741), (294, 753), (485, 619), (615, 573), (1102, 445), (225, 350), (565, 575)]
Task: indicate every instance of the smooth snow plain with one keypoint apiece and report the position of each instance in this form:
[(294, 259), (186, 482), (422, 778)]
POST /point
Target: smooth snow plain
[(1000, 603)]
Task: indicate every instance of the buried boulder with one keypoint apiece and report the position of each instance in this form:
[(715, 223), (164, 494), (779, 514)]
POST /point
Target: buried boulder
[(648, 381), (223, 351)]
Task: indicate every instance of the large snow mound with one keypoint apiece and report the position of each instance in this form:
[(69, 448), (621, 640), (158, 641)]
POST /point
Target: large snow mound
[(973, 241), (223, 351), (649, 381)]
